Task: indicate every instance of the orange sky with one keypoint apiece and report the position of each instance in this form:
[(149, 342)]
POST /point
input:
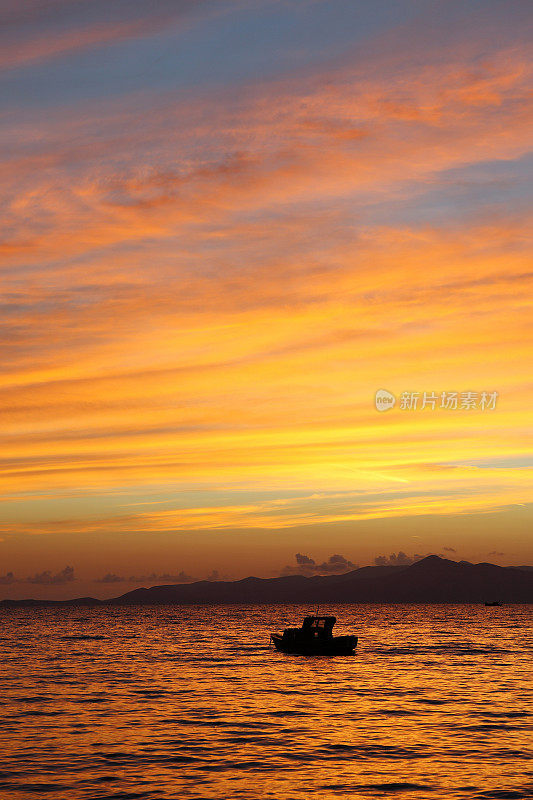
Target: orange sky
[(225, 229)]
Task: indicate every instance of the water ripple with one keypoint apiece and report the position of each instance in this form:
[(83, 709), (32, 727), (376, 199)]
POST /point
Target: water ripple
[(158, 703)]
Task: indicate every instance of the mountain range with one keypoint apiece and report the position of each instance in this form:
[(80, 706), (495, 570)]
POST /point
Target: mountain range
[(431, 580)]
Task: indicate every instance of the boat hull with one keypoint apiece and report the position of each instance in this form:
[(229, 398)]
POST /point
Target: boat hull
[(337, 646)]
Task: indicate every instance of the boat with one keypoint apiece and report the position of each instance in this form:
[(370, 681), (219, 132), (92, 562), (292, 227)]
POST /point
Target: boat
[(493, 603), (315, 637)]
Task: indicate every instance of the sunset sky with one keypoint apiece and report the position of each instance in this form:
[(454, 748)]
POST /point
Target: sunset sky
[(226, 225)]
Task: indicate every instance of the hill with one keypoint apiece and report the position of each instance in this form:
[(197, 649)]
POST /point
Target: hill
[(431, 580)]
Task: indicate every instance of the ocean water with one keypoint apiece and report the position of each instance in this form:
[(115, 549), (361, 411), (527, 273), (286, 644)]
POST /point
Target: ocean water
[(176, 702)]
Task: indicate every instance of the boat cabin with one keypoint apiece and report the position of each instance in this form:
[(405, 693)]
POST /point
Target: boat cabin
[(315, 637), (319, 627)]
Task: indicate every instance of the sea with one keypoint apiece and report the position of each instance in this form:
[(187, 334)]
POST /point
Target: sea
[(191, 702)]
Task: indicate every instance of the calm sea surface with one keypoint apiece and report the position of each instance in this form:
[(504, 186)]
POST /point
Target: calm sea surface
[(189, 703)]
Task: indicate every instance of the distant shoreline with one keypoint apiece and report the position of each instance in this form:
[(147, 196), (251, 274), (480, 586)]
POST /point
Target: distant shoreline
[(432, 580)]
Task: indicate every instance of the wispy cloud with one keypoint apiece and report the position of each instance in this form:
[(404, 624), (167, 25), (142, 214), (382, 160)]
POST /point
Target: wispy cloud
[(204, 287), (38, 32)]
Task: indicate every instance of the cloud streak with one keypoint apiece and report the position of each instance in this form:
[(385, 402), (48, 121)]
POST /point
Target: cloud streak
[(41, 32), (205, 283)]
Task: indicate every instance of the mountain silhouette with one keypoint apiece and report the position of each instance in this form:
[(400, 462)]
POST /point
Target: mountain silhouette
[(30, 602), (431, 580)]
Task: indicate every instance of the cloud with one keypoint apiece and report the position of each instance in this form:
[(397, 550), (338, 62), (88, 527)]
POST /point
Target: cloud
[(401, 559), (336, 564), (48, 578), (395, 560), (449, 549), (210, 286), (496, 553), (304, 561), (7, 579), (73, 27), (382, 492)]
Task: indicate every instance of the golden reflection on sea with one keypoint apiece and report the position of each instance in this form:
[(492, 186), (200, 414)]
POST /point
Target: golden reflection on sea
[(168, 702)]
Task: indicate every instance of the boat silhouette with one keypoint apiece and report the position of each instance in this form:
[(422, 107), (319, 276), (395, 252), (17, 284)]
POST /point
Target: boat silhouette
[(492, 603), (315, 637)]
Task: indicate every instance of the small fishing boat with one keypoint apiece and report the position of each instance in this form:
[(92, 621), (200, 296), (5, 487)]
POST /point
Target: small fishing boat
[(315, 637), (493, 603)]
